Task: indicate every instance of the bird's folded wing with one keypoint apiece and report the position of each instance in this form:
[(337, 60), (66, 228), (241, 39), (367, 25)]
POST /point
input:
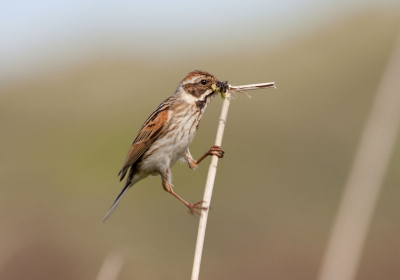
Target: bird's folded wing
[(149, 132)]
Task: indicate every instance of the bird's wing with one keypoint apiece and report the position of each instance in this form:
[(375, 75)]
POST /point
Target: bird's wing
[(149, 132)]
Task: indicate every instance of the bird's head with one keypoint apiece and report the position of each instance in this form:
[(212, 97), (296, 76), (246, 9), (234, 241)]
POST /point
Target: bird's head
[(199, 86)]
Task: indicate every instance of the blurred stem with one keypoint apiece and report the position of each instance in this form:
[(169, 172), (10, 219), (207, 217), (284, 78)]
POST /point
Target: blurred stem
[(365, 179), (111, 267)]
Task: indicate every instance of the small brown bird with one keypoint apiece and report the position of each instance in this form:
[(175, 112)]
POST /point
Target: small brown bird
[(167, 134)]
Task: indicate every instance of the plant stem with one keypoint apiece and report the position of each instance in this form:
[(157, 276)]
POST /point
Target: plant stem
[(212, 171), (365, 181), (251, 87)]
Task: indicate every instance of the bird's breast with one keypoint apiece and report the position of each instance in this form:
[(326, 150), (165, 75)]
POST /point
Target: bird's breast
[(176, 137)]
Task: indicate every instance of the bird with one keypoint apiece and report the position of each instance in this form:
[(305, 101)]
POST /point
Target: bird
[(166, 135)]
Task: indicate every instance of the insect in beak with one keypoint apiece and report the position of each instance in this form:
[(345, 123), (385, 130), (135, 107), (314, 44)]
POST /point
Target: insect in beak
[(222, 87), (214, 87)]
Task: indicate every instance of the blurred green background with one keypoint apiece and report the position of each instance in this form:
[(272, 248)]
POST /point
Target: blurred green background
[(78, 79)]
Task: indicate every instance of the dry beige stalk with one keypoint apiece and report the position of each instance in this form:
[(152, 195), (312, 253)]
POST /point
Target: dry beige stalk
[(251, 87), (212, 171)]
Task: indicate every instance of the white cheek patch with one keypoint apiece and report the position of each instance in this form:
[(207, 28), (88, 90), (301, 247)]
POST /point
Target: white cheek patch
[(192, 99), (188, 97), (208, 92)]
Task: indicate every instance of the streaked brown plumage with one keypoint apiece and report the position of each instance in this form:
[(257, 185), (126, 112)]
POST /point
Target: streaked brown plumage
[(166, 135)]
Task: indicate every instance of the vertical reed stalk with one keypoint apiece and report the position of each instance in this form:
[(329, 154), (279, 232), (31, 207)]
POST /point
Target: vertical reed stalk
[(212, 171)]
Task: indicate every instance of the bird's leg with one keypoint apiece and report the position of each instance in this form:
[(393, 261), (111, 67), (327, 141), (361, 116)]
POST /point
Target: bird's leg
[(213, 151), (166, 183)]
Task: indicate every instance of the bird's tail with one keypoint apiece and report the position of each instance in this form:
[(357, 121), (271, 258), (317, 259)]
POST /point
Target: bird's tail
[(117, 200)]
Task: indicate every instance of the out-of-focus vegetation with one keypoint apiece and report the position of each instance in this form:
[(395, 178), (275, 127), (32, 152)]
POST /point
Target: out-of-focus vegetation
[(288, 151)]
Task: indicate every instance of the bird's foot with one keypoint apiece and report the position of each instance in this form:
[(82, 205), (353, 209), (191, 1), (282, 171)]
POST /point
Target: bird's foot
[(196, 208), (216, 151)]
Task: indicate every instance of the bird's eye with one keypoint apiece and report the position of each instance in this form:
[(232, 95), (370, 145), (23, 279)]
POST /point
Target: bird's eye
[(203, 82)]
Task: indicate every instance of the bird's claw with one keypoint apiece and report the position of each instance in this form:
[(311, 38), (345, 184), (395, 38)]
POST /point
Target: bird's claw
[(195, 207), (216, 151)]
